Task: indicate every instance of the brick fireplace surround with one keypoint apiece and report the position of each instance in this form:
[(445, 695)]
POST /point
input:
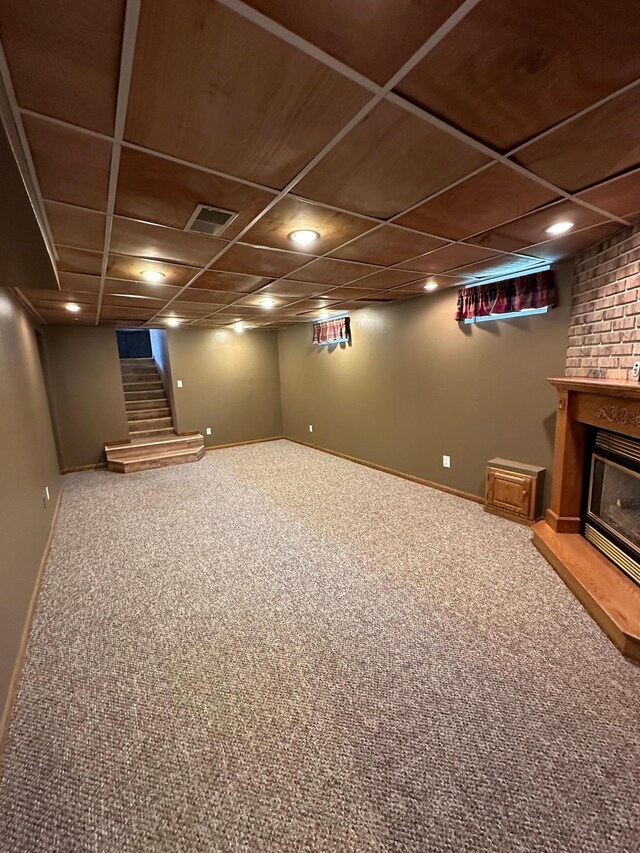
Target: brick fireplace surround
[(604, 342), (604, 331)]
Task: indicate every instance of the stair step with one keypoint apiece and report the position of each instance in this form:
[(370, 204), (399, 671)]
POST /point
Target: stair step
[(145, 414), (142, 447), (144, 385), (137, 375), (156, 460), (155, 394), (134, 404), (137, 361), (150, 423), (151, 433)]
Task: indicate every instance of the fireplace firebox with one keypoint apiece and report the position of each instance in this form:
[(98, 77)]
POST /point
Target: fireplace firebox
[(612, 500)]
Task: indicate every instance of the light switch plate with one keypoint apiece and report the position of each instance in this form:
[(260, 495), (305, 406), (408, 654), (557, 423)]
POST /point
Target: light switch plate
[(310, 427), (179, 383), (446, 462), (208, 430)]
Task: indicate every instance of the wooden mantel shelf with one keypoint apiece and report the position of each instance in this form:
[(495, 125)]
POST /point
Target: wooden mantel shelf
[(610, 597), (619, 388)]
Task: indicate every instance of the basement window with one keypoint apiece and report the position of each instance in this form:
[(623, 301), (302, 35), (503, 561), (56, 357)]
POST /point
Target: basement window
[(503, 298)]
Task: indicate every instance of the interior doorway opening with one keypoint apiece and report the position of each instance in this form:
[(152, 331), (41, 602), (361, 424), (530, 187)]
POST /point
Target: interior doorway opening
[(134, 343)]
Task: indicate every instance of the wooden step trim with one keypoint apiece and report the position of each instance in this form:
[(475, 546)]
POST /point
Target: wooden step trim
[(164, 460), (131, 449)]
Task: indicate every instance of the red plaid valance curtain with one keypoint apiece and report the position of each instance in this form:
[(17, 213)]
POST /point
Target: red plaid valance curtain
[(502, 297), (332, 330)]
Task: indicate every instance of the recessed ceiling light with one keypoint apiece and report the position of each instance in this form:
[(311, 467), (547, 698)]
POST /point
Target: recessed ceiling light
[(559, 228), (238, 327), (267, 302), (172, 321), (154, 276), (431, 285), (71, 306), (304, 236)]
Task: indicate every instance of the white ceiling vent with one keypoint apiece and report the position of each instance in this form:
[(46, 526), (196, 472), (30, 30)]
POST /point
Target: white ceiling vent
[(209, 220)]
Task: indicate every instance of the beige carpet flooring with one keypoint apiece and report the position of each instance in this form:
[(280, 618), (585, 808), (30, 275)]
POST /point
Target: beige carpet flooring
[(278, 650)]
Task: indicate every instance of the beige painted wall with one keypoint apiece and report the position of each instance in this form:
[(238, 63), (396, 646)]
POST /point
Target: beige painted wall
[(230, 383), (85, 389), (415, 385), (28, 463)]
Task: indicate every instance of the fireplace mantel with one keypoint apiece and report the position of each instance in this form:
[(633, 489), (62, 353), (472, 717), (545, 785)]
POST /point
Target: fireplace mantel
[(611, 598)]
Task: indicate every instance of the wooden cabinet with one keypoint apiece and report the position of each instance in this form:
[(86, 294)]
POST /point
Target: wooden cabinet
[(513, 489)]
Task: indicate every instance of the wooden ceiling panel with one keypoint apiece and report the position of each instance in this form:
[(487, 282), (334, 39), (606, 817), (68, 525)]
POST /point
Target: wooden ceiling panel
[(600, 144), (256, 302), (312, 305), (117, 312), (238, 312), (387, 163), (64, 57), (215, 297), (443, 281), (260, 261), (73, 282), (493, 196), (567, 247), (212, 88), (140, 239), (503, 265), (79, 261), (530, 229), (125, 267), (54, 299), (76, 227), (187, 308), (387, 245), (142, 303), (347, 33), (387, 278), (447, 258), (142, 289), (621, 196), (329, 271), (299, 289), (293, 213), (229, 281), (71, 166), (154, 189), (350, 293), (510, 70)]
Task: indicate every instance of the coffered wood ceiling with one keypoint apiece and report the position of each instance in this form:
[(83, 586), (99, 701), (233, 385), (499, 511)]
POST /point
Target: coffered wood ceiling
[(420, 140)]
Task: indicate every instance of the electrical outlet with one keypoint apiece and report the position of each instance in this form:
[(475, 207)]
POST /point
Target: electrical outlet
[(45, 497), (310, 427), (208, 430), (446, 462), (635, 370), (46, 493), (179, 383)]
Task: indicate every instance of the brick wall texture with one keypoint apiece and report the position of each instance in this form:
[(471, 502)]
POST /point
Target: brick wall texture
[(604, 330)]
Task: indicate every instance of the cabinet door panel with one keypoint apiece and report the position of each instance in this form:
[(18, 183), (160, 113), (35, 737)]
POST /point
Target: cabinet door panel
[(509, 492)]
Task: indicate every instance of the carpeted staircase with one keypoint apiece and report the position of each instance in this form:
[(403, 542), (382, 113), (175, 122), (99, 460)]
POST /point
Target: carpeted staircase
[(153, 442)]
